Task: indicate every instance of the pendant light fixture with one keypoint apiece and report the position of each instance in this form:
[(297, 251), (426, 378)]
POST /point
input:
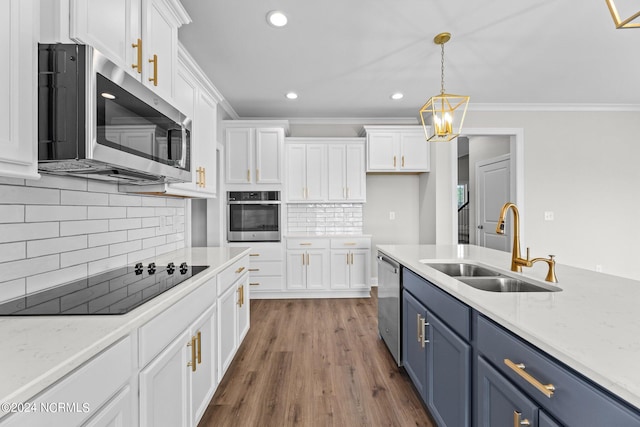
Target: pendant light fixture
[(446, 111), (620, 23)]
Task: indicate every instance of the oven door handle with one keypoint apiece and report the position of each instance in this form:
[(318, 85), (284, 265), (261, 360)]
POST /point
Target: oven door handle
[(256, 202)]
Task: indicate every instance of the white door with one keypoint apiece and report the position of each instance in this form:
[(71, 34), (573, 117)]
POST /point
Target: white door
[(340, 260), (355, 173), (164, 386), (227, 330), (493, 178), (381, 152), (296, 172), (337, 170), (238, 167), (204, 379), (316, 163), (269, 155)]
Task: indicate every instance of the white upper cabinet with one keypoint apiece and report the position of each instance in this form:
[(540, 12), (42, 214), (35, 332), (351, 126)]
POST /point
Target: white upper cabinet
[(18, 89), (347, 175), (141, 36), (397, 149), (306, 171), (254, 151)]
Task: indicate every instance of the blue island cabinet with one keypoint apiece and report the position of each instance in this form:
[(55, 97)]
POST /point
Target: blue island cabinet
[(436, 355)]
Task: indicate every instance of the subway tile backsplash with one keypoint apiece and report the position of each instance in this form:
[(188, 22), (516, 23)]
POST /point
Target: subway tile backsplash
[(325, 218), (58, 229)]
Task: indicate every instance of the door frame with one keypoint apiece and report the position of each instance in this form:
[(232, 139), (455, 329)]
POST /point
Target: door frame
[(449, 210)]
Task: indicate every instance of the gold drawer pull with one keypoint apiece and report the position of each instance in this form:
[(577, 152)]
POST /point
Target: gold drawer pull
[(517, 421), (192, 344), (306, 244), (350, 244), (254, 254), (138, 65), (519, 368), (240, 270), (254, 284), (254, 269)]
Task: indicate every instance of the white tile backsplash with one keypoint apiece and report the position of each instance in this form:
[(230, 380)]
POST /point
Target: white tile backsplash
[(325, 218), (58, 229)]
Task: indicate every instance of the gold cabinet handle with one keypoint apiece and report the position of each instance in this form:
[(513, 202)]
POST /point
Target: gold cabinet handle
[(248, 175), (519, 368), (154, 61), (240, 270), (308, 261), (347, 259), (394, 161), (239, 296), (254, 269), (350, 243), (138, 66), (203, 181), (305, 244), (402, 161), (257, 175), (351, 258), (199, 340), (254, 254), (192, 344), (303, 259), (518, 421), (254, 284)]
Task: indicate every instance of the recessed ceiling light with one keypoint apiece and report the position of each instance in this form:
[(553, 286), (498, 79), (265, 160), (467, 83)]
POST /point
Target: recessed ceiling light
[(291, 95), (277, 19), (397, 96), (107, 95)]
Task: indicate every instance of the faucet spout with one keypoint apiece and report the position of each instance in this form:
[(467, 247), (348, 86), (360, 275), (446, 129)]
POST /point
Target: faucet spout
[(515, 247)]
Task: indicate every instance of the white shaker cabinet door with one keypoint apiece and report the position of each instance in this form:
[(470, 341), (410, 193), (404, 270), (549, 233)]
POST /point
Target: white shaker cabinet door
[(18, 90), (359, 268), (238, 153), (316, 174), (204, 379), (317, 269), (355, 174), (160, 47), (337, 164), (268, 154), (415, 152), (227, 329), (296, 172), (164, 386), (112, 27), (382, 155)]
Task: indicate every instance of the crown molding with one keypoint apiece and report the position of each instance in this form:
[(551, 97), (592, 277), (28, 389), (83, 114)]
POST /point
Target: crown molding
[(344, 120), (555, 107)]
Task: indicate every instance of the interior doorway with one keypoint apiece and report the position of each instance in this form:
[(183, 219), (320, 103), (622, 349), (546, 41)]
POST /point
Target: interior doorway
[(500, 153)]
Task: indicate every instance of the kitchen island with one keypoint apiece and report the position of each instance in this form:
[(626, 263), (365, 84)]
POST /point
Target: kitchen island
[(40, 351), (590, 325)]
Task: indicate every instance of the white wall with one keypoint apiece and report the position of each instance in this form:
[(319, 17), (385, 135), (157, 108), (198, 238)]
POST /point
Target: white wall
[(398, 193), (582, 166)]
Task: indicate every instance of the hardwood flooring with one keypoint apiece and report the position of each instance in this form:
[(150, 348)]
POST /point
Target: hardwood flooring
[(316, 362)]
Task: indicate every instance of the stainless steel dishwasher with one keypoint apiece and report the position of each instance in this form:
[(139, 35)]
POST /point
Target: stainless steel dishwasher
[(389, 304)]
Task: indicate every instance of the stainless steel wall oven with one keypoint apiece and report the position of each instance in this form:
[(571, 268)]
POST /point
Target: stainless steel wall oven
[(253, 216)]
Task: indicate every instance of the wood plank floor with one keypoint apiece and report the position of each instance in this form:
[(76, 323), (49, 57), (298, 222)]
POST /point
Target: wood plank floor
[(316, 362)]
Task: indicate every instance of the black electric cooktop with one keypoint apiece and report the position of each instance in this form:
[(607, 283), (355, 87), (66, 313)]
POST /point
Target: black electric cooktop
[(113, 292)]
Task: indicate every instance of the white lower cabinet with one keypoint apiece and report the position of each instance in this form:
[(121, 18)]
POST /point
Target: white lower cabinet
[(83, 403), (233, 312), (329, 265), (266, 268)]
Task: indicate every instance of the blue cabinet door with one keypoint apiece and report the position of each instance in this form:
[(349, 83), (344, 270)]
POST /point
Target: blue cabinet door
[(448, 375), (498, 402), (413, 346)]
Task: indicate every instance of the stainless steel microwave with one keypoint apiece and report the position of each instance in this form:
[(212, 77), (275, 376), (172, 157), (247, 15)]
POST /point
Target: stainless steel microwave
[(97, 121)]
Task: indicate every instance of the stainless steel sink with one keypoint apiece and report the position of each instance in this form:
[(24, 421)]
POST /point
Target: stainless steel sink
[(486, 279), (504, 284), (458, 269)]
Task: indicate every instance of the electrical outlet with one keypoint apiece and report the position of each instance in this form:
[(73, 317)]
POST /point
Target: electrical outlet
[(548, 216), (392, 215)]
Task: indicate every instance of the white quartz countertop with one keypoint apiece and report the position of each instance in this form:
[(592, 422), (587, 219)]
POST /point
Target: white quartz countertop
[(325, 236), (37, 351), (592, 325)]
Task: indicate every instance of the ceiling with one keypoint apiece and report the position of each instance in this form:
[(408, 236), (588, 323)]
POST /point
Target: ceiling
[(346, 57)]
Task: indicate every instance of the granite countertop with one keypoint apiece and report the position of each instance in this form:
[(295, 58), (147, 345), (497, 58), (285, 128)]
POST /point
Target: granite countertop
[(591, 325), (37, 351)]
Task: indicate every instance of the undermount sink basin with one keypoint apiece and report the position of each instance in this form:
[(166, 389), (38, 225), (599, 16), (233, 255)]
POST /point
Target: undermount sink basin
[(458, 269), (486, 279), (504, 284)]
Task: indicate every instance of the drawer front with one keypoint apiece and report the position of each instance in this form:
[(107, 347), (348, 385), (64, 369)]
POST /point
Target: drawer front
[(266, 268), (575, 401), (93, 384), (229, 275), (454, 313), (162, 329), (309, 243), (351, 243), (266, 283), (266, 253)]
